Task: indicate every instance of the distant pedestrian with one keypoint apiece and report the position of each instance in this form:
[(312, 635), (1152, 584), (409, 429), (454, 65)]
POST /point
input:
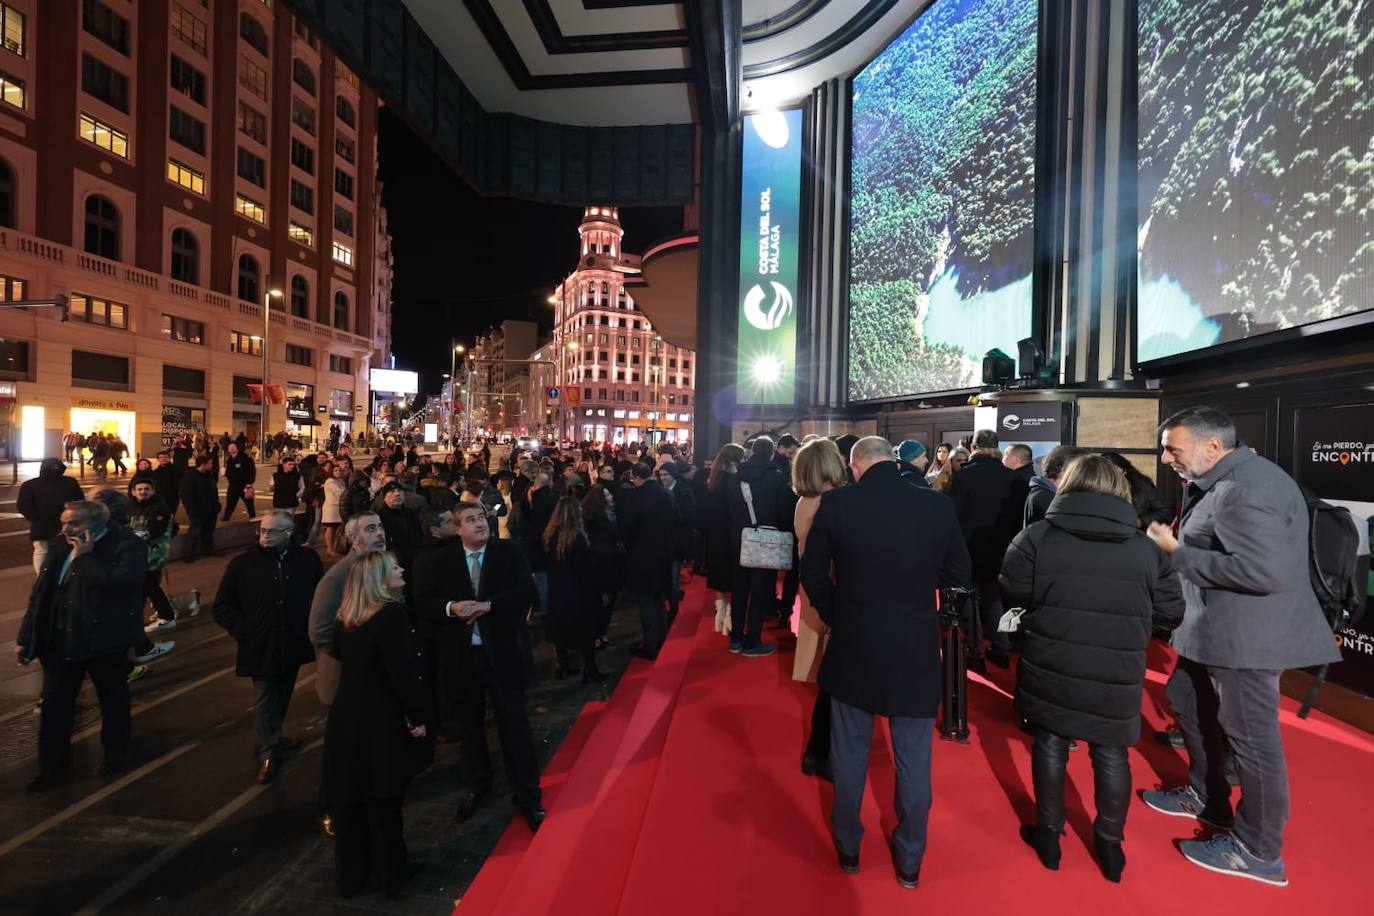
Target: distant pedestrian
[(201, 499), (239, 473), (41, 501)]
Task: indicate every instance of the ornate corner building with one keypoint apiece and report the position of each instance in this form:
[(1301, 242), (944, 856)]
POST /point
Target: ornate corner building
[(621, 382), (169, 166)]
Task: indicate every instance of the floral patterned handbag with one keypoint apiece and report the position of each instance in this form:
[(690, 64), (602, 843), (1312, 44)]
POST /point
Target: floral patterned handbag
[(763, 546)]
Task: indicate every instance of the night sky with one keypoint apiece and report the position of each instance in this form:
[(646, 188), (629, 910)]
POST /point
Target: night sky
[(465, 263)]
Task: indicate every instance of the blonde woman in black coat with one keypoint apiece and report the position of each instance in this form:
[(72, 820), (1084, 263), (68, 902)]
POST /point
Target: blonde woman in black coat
[(376, 739), (1095, 587)]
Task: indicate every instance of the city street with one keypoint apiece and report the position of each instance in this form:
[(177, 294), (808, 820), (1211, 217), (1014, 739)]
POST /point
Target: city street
[(186, 829)]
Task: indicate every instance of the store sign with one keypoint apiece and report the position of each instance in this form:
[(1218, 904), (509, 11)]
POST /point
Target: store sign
[(770, 224), (1336, 462), (176, 421), (1031, 422), (101, 404)]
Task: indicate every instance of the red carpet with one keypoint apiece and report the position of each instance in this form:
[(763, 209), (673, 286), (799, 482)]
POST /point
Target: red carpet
[(687, 799)]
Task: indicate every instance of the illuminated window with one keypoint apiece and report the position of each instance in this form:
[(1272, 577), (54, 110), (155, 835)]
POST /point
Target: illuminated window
[(11, 90), (343, 254), (183, 329), (12, 23), (13, 290), (298, 233), (93, 130), (187, 27), (98, 311), (248, 344), (249, 208), (184, 175)]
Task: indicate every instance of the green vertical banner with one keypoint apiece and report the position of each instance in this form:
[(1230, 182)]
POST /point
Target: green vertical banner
[(770, 221)]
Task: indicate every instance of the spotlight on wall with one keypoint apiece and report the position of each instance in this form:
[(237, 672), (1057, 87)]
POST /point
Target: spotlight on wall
[(766, 369), (998, 369)]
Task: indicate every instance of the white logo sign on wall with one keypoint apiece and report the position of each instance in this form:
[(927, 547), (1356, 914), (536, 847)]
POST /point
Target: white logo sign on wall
[(778, 309), (1011, 421)]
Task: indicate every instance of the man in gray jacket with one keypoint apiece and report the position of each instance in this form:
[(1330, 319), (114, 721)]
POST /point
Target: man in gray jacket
[(1251, 613)]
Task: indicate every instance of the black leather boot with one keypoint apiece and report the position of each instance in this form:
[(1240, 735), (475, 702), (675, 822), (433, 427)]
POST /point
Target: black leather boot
[(1045, 842), (1110, 858)]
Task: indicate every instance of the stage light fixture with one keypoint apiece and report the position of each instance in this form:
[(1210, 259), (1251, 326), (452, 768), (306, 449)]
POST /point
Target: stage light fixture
[(1031, 357), (998, 368)]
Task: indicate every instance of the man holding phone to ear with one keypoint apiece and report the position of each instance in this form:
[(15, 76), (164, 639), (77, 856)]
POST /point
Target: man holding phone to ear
[(84, 613)]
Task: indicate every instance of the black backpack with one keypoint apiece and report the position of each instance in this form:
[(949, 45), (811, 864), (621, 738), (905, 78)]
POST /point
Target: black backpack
[(1338, 573)]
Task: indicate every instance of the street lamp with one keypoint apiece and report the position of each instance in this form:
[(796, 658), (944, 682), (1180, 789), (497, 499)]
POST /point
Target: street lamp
[(266, 327)]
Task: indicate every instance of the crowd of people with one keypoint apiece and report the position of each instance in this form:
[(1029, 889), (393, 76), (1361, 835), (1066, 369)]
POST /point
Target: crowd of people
[(422, 622)]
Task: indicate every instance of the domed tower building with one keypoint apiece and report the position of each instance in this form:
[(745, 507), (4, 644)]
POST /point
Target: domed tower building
[(622, 383)]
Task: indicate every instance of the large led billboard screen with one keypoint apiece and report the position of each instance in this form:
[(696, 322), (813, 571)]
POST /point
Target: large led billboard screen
[(1256, 161), (942, 198)]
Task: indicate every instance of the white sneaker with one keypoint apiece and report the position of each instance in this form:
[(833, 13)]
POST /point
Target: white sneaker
[(158, 650), (160, 625)]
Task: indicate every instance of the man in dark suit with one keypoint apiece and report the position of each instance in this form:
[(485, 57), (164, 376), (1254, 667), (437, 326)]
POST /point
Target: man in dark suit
[(85, 611), (884, 652), (476, 590), (646, 520), (989, 500), (201, 499)]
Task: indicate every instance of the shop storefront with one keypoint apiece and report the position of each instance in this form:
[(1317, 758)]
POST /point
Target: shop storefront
[(300, 412), (104, 415), (340, 412)]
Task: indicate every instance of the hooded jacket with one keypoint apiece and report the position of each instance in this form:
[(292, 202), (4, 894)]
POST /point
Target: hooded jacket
[(1095, 587), (41, 499), (1038, 500)]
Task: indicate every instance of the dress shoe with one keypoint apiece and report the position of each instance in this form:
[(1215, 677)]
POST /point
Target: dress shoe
[(112, 764), (48, 779), (534, 815), (468, 803), (817, 766), (267, 770), (1045, 842), (1110, 858), (848, 864)]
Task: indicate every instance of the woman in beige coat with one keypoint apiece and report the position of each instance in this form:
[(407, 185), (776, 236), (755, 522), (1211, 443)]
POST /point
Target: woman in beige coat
[(817, 467)]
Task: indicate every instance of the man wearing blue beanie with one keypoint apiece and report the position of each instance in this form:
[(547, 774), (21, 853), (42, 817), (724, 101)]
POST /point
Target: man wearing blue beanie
[(911, 462)]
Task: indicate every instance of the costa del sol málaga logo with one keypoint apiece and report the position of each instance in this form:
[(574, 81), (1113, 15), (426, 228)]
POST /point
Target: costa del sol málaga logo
[(778, 308)]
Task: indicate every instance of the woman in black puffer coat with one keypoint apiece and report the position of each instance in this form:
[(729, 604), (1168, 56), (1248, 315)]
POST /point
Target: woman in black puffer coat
[(1095, 587)]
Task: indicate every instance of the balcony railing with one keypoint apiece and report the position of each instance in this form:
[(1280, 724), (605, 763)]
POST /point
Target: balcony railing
[(31, 247)]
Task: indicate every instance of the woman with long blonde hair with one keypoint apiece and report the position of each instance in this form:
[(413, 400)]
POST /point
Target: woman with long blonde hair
[(817, 468), (376, 739)]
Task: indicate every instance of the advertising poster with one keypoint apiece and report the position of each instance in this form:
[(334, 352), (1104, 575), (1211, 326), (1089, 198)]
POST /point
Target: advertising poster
[(175, 421), (1336, 462), (1039, 424), (770, 221)]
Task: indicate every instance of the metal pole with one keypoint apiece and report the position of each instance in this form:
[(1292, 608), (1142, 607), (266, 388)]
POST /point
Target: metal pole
[(266, 328)]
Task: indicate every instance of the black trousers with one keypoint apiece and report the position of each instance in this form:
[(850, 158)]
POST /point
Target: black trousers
[(818, 744), (152, 591), (201, 537), (366, 834), (1111, 784), (472, 686), (754, 596), (231, 499), (61, 683)]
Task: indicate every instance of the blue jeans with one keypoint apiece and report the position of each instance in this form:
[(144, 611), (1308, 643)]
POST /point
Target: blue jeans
[(1239, 706), (851, 735)]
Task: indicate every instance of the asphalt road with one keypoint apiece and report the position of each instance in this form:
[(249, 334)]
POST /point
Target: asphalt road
[(186, 829)]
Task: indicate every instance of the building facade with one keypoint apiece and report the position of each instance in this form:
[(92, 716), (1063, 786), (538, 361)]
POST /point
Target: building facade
[(170, 165), (500, 377), (621, 382)]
